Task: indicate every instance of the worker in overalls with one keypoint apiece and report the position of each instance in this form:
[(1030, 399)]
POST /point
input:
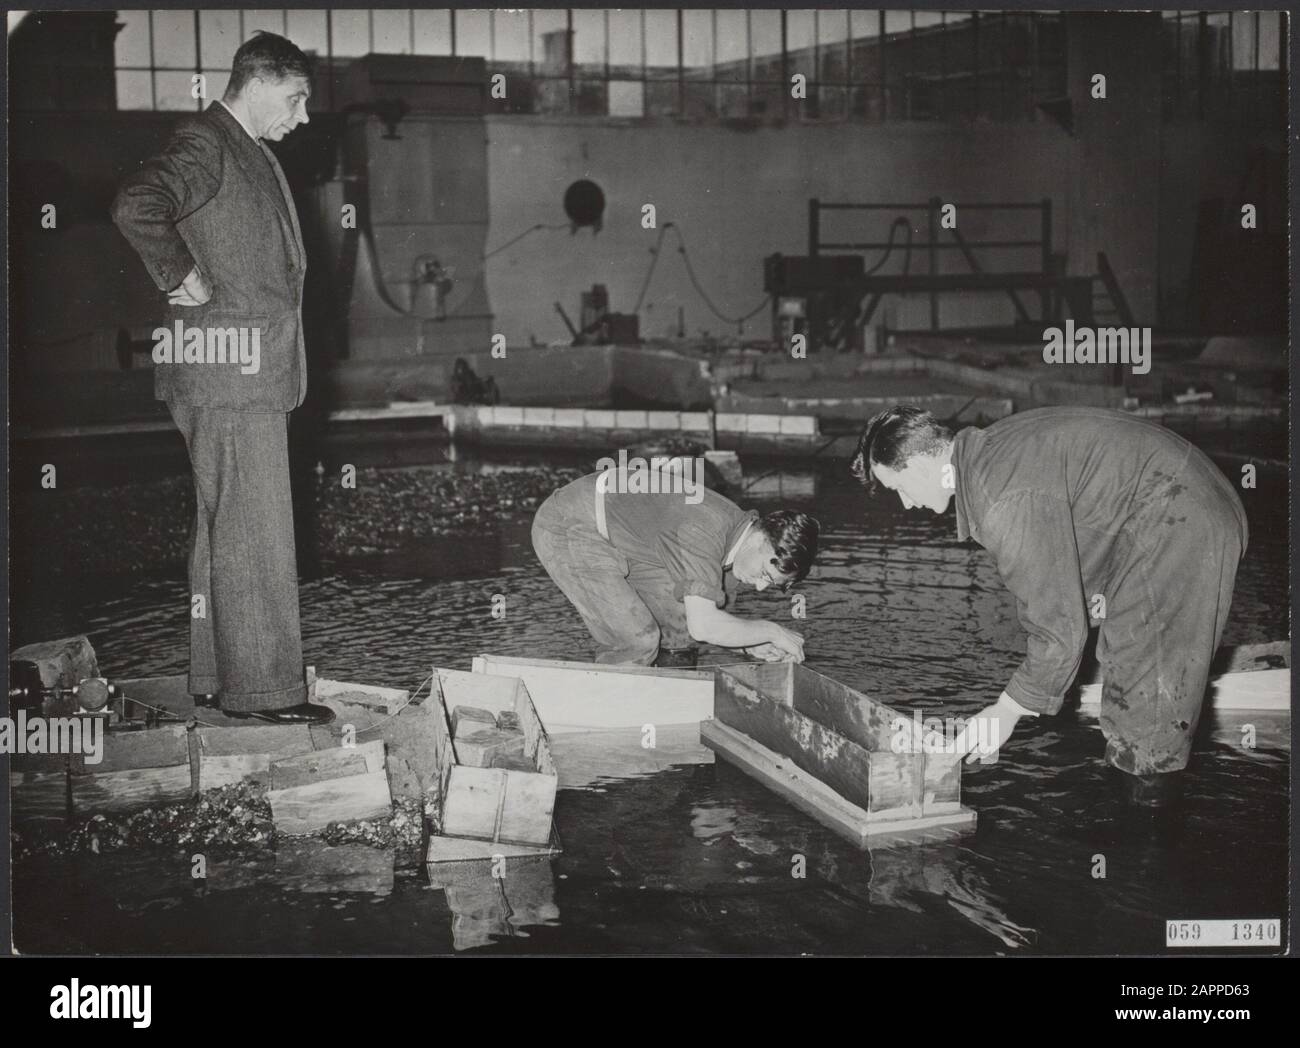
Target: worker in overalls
[(643, 554), (1092, 516)]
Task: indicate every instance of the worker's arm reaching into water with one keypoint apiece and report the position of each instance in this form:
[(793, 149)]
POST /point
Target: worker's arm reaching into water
[(985, 733), (710, 624)]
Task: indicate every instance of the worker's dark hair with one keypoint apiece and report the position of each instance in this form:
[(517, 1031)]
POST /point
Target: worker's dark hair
[(895, 436), (266, 55), (794, 542)]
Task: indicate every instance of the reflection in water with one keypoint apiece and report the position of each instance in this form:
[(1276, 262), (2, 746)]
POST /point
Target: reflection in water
[(699, 858), (493, 899)]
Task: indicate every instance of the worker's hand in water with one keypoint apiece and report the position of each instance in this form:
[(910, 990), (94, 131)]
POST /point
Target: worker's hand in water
[(789, 645), (984, 734), (194, 290)]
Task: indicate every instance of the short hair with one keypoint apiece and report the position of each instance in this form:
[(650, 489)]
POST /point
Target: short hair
[(268, 56), (893, 437), (794, 542)]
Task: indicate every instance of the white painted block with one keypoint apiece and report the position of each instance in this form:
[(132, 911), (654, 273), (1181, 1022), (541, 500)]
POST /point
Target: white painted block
[(507, 416), (539, 416), (630, 420), (695, 421), (663, 420), (598, 419), (729, 423), (764, 424), (569, 418), (799, 425)]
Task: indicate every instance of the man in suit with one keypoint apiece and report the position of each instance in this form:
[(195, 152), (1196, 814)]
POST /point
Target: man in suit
[(213, 219)]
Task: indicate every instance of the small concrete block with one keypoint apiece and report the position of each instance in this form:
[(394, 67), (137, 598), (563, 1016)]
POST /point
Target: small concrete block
[(799, 425), (466, 719), (506, 416), (539, 416), (598, 419), (764, 424), (630, 420), (695, 421), (568, 418), (479, 747), (669, 420), (729, 423), (484, 414)]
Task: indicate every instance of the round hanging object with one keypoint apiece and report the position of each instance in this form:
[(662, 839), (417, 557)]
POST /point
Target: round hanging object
[(584, 203)]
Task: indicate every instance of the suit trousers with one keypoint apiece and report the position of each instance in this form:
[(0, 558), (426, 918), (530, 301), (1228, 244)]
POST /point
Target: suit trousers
[(245, 637)]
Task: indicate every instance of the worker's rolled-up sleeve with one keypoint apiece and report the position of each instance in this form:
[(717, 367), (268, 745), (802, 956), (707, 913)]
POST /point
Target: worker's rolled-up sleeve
[(692, 556), (1032, 537)]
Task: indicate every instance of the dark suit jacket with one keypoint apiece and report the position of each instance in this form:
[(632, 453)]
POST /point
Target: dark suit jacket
[(217, 198)]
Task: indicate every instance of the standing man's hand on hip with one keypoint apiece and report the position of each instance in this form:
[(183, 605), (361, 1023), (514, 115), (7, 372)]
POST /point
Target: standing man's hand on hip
[(194, 290)]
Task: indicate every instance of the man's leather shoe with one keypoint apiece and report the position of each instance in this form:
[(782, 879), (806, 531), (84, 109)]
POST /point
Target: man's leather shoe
[(304, 713)]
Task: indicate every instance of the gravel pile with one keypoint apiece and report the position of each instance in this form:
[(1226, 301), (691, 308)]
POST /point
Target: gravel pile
[(144, 528), (231, 817)]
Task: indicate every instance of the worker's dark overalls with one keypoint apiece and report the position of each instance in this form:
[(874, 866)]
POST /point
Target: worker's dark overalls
[(1076, 503)]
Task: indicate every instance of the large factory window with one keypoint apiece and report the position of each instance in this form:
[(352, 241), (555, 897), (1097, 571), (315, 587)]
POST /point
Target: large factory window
[(725, 64)]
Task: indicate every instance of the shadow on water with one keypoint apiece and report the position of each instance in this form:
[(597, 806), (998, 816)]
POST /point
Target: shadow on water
[(700, 858)]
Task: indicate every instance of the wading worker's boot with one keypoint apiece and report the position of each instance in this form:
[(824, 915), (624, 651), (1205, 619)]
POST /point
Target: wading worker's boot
[(1153, 791)]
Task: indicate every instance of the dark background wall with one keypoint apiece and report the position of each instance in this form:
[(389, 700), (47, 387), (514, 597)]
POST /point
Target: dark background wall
[(1159, 195)]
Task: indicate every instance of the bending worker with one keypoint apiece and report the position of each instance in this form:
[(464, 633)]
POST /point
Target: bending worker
[(643, 557), (1089, 514)]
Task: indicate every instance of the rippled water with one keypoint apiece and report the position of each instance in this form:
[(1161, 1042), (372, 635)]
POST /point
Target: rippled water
[(701, 858)]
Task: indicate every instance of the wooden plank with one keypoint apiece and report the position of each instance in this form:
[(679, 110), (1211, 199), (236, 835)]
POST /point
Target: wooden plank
[(492, 693), (537, 745), (586, 759), (272, 740), (528, 808), (228, 770), (473, 802), (498, 805), (1265, 690), (856, 716), (462, 849), (123, 790), (386, 700), (444, 752), (942, 778), (320, 765), (838, 762), (310, 808), (582, 696), (156, 748), (815, 798), (38, 794)]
